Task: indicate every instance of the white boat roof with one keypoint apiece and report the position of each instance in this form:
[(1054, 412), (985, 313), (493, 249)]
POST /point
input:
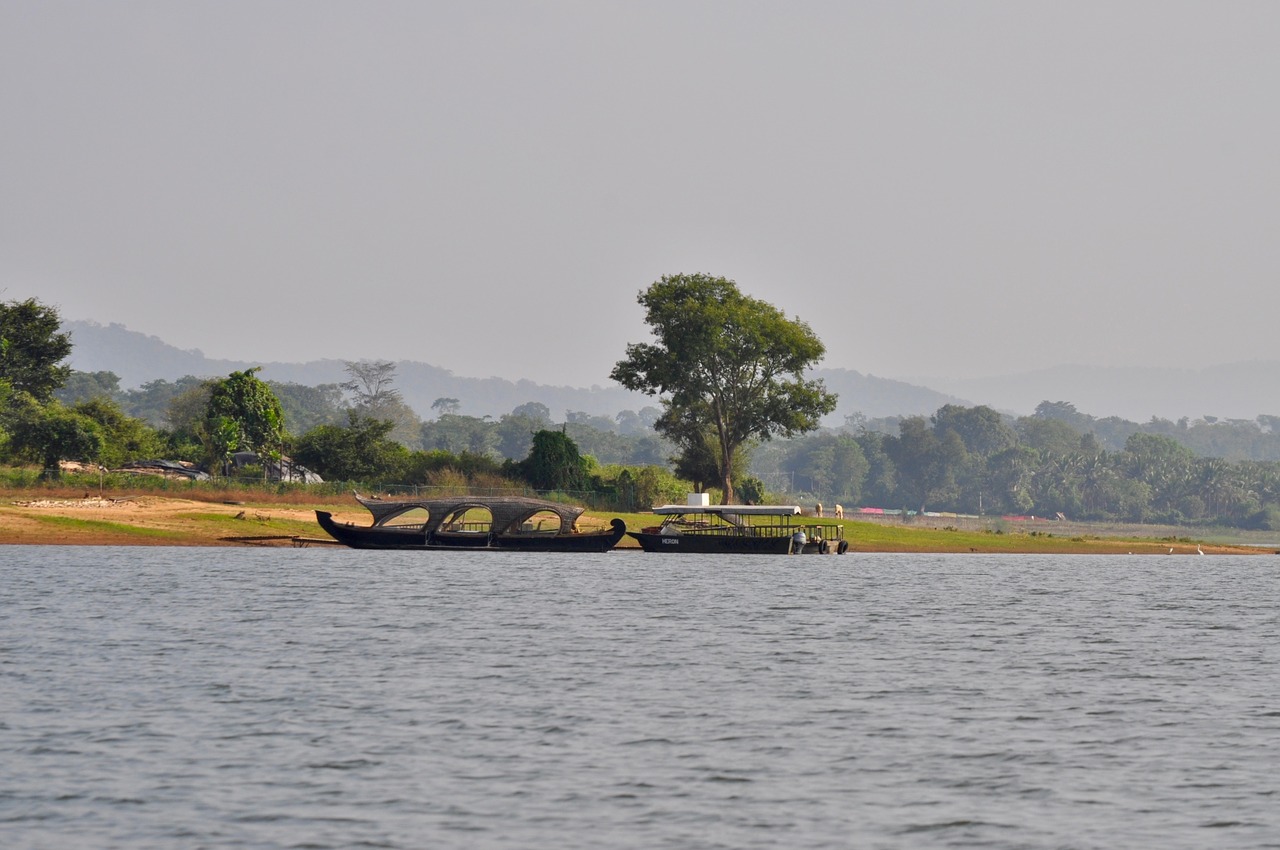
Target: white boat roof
[(743, 510)]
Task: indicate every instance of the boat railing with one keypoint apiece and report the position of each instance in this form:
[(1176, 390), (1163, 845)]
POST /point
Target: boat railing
[(833, 531), (469, 527), (768, 530)]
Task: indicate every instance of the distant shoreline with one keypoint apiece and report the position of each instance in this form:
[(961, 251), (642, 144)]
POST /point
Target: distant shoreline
[(33, 518)]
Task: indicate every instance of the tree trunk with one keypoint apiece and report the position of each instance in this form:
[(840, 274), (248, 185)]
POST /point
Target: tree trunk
[(726, 476)]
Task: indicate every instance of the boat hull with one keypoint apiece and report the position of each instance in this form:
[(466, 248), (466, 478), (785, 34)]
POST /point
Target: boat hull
[(588, 542), (728, 544), (412, 538)]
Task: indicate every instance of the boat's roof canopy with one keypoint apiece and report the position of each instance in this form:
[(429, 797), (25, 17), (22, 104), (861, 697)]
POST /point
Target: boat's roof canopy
[(741, 510), (505, 511)]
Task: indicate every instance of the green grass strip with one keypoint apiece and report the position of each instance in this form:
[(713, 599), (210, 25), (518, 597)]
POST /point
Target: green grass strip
[(100, 526)]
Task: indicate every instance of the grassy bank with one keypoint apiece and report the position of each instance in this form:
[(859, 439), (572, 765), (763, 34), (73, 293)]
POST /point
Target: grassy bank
[(881, 537)]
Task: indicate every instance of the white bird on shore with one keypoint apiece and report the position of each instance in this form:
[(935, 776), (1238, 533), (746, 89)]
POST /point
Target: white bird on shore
[(1198, 549)]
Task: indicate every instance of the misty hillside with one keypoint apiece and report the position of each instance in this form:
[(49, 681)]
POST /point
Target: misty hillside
[(138, 358), (1231, 391), (1228, 391)]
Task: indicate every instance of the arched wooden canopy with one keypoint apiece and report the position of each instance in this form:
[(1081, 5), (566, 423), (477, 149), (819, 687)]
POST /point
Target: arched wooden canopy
[(507, 511)]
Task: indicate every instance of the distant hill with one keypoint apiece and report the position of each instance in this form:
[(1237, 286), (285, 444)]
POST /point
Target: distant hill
[(1227, 391), (138, 358), (880, 397)]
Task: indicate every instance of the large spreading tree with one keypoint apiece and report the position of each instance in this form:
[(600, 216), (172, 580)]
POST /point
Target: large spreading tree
[(729, 368)]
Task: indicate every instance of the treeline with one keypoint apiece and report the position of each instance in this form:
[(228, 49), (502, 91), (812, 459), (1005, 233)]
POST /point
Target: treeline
[(1210, 436), (364, 435), (177, 407), (975, 460), (358, 431), (962, 459)]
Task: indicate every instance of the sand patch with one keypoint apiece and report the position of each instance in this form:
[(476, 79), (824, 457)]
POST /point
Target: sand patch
[(151, 520)]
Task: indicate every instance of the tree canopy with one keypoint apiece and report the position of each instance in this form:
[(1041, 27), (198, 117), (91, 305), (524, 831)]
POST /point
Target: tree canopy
[(244, 415), (730, 367), (372, 387), (358, 451), (49, 433), (86, 386), (32, 349), (554, 463)]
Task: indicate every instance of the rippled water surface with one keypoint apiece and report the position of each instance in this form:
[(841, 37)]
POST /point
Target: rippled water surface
[(323, 698)]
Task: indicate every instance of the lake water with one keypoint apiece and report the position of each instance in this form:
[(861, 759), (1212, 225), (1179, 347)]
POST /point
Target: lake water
[(326, 698)]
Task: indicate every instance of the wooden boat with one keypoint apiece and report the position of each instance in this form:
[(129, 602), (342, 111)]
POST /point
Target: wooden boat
[(514, 522), (741, 529)]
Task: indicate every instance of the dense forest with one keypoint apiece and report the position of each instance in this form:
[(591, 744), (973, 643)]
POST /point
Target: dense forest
[(1056, 461)]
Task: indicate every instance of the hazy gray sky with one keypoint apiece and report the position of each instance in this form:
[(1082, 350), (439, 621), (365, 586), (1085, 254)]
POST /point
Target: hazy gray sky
[(951, 189)]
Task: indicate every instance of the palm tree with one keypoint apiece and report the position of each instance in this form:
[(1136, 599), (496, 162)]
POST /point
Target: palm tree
[(1218, 485)]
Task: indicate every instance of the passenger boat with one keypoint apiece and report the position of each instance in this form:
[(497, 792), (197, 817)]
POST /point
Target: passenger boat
[(512, 522), (746, 529)]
